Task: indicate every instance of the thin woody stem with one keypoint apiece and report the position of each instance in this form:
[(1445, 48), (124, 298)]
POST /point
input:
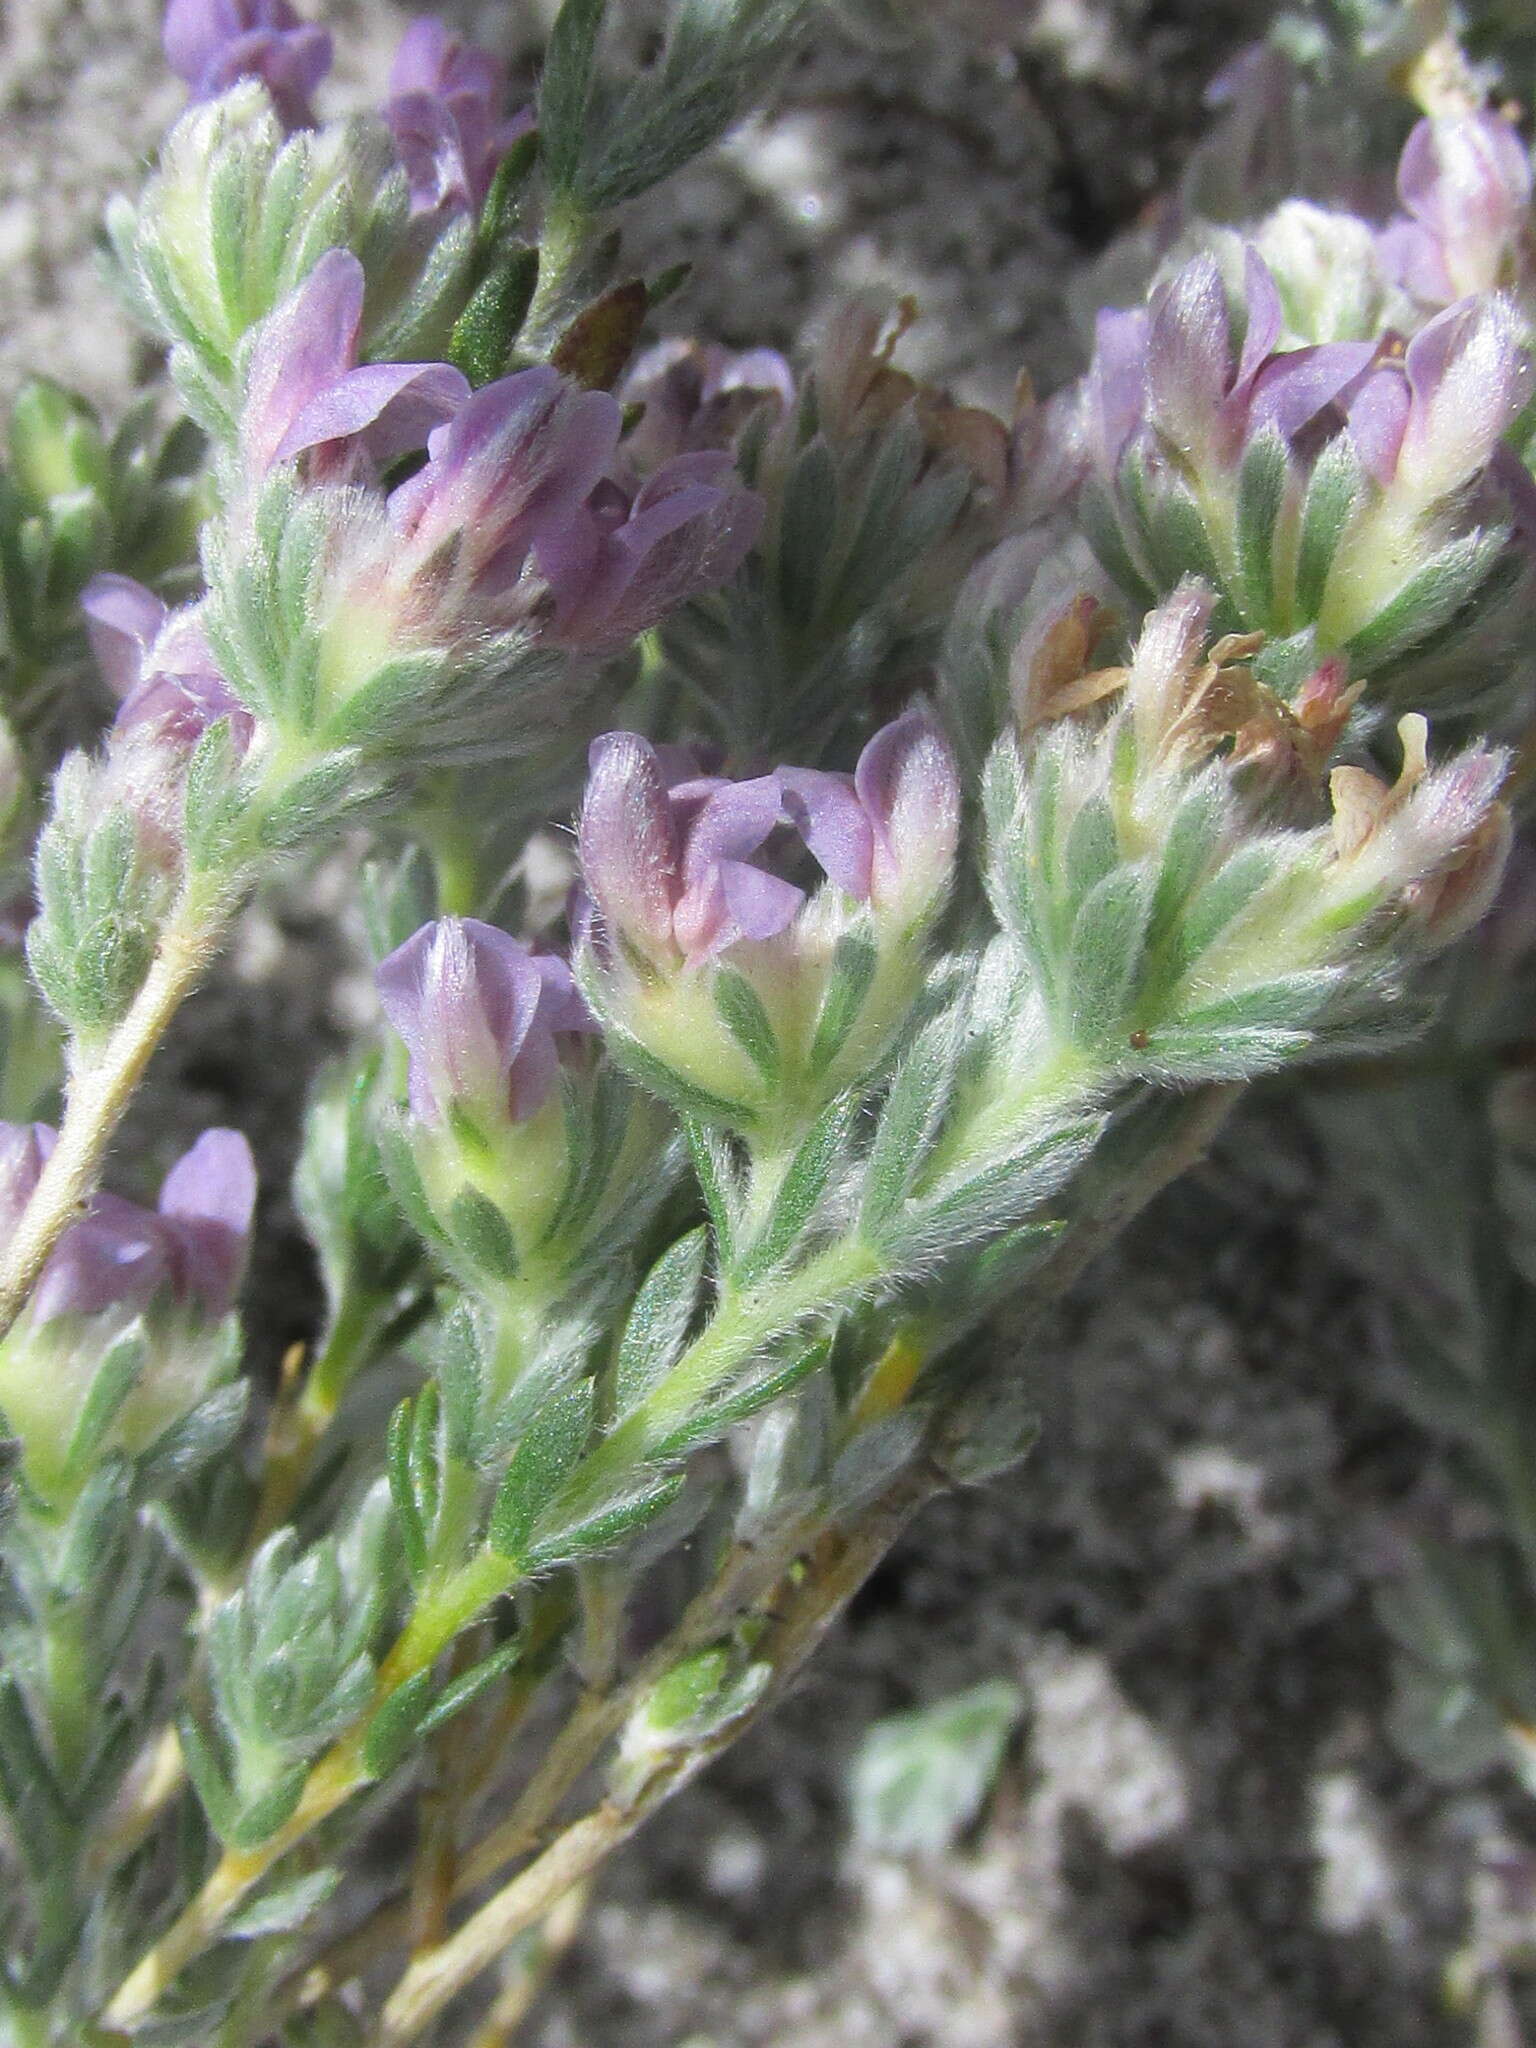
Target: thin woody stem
[(580, 1740), (831, 1578)]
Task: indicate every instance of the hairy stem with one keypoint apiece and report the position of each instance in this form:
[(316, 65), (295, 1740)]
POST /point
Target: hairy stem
[(99, 1091)]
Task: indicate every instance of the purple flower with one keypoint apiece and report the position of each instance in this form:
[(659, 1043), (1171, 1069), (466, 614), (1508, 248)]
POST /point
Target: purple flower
[(481, 1016), (888, 833), (671, 870), (622, 563), (214, 43), (159, 666), (697, 395), (307, 395), (444, 111), (188, 1252), (1208, 393), (1433, 418), (513, 466), (1465, 181)]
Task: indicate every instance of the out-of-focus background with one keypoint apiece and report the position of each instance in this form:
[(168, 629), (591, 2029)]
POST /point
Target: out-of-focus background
[(1201, 1837)]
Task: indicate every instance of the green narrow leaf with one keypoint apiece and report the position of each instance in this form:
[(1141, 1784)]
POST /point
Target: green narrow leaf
[(395, 1725), (658, 1322), (743, 1015), (807, 535), (713, 1165), (909, 1122), (114, 1381), (1261, 493), (484, 333), (207, 1775), (1333, 492), (659, 1079), (606, 1526), (854, 959), (550, 1450), (259, 1820), (565, 91), (1429, 599), (397, 1466), (468, 1686), (481, 1229), (285, 1908), (805, 1185), (1105, 958)]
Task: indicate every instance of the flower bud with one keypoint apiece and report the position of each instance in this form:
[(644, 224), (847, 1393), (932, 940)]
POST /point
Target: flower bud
[(159, 666), (144, 1293), (487, 1025), (479, 1014), (697, 396)]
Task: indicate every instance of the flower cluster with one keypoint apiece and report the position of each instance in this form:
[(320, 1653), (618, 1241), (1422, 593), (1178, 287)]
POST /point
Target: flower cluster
[(1351, 496), (514, 534), (1163, 857), (931, 899)]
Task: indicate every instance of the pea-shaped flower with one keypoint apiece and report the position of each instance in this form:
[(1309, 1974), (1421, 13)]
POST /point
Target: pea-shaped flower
[(729, 982)]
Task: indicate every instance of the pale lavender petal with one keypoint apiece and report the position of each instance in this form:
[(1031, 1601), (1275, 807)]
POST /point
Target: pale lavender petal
[(393, 407), (207, 1201), (628, 843), (195, 31), (213, 43), (909, 788), (122, 620), (116, 1257), (1465, 176), (462, 995), (430, 146), (420, 56), (1117, 383), (758, 905), (1411, 257), (181, 708), (734, 822), (519, 456), (1468, 376), (24, 1152), (827, 814), (1293, 388), (1189, 355), (1265, 319), (300, 352), (289, 63), (562, 1006), (1377, 417)]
